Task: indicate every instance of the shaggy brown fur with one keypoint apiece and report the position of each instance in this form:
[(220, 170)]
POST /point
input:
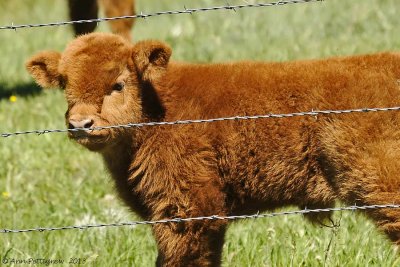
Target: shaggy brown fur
[(88, 9), (236, 167)]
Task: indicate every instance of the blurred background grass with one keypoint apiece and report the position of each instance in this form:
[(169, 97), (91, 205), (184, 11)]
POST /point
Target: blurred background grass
[(48, 181)]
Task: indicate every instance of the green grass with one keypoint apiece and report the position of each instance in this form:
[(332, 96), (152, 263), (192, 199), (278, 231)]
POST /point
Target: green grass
[(53, 182)]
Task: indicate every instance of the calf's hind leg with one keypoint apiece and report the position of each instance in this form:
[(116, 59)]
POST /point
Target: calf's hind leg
[(364, 169)]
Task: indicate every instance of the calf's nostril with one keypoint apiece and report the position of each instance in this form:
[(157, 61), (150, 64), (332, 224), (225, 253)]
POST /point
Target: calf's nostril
[(86, 123)]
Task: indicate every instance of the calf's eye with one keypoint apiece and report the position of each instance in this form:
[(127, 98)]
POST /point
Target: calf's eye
[(118, 86)]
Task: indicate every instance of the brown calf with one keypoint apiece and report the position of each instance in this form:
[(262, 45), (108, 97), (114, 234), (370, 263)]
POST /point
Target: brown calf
[(237, 167), (88, 9)]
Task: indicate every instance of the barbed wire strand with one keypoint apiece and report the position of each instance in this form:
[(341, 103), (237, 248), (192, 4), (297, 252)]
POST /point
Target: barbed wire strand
[(213, 217), (160, 13), (234, 118)]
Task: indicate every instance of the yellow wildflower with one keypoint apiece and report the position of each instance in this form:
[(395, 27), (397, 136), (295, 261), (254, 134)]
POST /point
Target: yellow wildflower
[(13, 98), (5, 194)]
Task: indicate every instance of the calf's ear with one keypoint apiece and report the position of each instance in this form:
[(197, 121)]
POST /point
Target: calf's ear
[(151, 59), (44, 68)]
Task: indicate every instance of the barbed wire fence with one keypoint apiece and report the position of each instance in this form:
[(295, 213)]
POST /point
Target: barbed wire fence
[(161, 13), (202, 218), (193, 121)]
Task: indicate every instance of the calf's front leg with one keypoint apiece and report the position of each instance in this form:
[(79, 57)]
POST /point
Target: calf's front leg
[(196, 243)]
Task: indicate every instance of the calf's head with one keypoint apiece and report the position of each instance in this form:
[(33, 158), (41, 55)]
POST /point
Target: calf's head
[(106, 80)]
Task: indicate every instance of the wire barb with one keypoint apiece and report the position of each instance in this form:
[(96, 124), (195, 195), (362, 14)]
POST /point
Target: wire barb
[(160, 13)]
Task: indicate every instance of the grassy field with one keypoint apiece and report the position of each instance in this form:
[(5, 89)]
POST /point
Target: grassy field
[(49, 181)]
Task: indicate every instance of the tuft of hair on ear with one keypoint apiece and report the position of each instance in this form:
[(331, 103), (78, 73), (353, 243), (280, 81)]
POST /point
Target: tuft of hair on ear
[(151, 59), (44, 68)]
